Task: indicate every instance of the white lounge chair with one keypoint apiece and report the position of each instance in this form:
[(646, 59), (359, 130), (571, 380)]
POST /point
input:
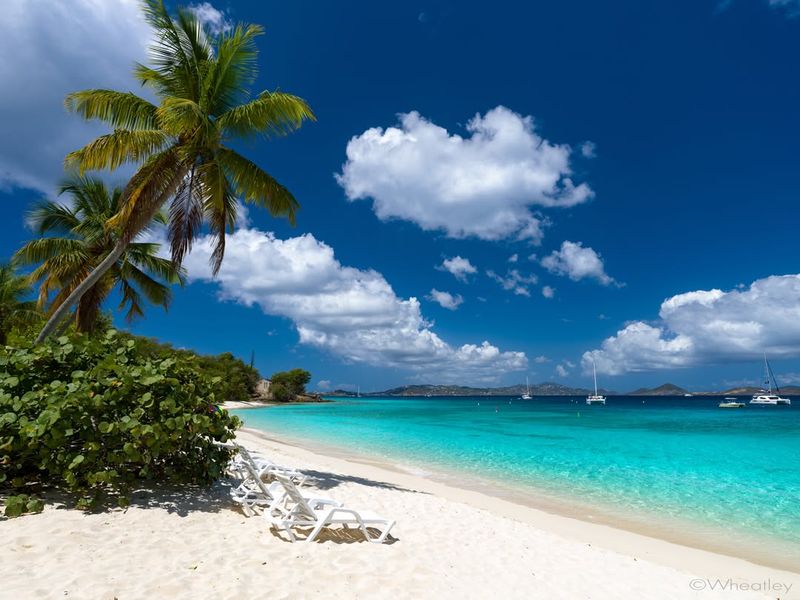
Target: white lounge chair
[(254, 493), (296, 511), (261, 464)]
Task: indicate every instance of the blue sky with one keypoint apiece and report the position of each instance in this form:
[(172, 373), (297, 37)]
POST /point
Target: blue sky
[(639, 160)]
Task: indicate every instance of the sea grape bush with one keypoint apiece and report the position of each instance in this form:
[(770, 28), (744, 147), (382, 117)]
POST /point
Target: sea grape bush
[(97, 415)]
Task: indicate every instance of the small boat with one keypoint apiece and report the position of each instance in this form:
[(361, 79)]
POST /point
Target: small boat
[(767, 397), (527, 394), (731, 403), (595, 398), (687, 395)]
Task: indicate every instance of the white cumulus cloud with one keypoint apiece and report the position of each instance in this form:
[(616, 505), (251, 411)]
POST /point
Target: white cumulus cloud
[(50, 49), (514, 281), (709, 327), (588, 149), (577, 262), (445, 299), (562, 371), (351, 313), (548, 292), (484, 185), (459, 267), (214, 20)]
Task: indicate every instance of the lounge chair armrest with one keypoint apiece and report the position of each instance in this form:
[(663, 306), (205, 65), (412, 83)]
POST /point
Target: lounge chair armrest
[(321, 502)]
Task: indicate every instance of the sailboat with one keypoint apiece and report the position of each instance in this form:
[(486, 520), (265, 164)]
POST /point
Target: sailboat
[(767, 396), (595, 398), (527, 394)]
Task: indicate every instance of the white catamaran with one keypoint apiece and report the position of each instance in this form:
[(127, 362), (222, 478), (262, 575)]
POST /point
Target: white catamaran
[(527, 394), (767, 396), (595, 398)]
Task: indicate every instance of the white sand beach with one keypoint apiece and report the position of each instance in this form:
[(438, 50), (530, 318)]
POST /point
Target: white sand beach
[(448, 543)]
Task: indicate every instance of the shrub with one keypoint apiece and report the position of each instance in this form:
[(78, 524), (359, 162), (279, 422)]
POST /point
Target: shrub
[(96, 416), (280, 392), (238, 380), (294, 381)]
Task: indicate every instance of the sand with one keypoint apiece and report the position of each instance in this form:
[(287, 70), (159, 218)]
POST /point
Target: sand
[(448, 543)]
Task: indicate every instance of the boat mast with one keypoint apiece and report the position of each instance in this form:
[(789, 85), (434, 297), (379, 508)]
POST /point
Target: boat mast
[(771, 376), (766, 373), (594, 372), (527, 387)]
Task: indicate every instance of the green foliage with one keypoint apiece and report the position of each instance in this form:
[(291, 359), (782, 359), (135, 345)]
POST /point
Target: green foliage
[(74, 238), (201, 82), (15, 311), (293, 382), (237, 380), (96, 415), (22, 503), (281, 393)]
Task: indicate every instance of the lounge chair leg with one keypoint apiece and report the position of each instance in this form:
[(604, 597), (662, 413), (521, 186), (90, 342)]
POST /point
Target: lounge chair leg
[(315, 532), (290, 533)]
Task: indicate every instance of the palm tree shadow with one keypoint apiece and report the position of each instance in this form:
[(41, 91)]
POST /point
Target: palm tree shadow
[(338, 535), (324, 480)]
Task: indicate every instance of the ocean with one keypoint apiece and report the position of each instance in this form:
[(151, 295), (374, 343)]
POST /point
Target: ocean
[(680, 468)]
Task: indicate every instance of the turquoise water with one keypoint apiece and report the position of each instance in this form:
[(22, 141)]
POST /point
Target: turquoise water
[(671, 459)]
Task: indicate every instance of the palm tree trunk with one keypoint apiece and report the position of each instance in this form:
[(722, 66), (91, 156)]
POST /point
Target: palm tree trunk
[(79, 291), (104, 266)]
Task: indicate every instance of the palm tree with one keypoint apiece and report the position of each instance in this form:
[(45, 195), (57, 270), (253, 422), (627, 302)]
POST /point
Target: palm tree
[(78, 240), (13, 309), (202, 82)]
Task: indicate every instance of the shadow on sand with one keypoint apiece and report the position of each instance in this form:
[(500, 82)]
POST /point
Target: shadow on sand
[(326, 481), (335, 535)]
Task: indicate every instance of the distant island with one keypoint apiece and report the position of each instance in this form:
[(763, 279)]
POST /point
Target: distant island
[(546, 389)]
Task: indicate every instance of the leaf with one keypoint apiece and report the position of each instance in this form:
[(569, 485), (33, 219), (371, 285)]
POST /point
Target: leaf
[(34, 505), (76, 461)]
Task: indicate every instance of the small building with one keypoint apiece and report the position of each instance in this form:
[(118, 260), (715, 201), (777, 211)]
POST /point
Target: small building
[(262, 388)]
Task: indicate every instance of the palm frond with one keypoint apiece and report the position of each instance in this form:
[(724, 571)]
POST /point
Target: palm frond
[(149, 188), (121, 110), (179, 116), (117, 148), (256, 186), (185, 216), (145, 256), (47, 216), (179, 50), (42, 249), (272, 113), (233, 69), (155, 291), (219, 206), (131, 298)]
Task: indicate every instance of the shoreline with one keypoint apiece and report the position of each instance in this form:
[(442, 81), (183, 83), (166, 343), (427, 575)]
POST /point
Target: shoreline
[(237, 405), (188, 542), (582, 523)]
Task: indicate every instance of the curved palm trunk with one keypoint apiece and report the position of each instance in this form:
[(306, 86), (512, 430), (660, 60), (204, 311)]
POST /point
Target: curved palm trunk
[(108, 262), (78, 292)]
